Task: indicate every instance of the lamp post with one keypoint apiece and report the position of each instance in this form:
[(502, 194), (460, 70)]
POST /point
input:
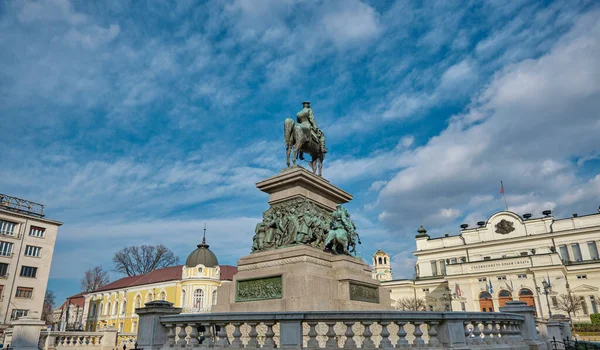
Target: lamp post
[(547, 290)]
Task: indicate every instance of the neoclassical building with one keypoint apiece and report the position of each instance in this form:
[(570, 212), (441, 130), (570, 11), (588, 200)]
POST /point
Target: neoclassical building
[(192, 286), (508, 257)]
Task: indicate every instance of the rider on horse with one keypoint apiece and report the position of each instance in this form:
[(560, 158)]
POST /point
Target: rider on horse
[(306, 116)]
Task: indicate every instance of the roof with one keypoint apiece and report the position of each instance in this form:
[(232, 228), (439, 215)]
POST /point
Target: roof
[(75, 300), (172, 273), (202, 256)]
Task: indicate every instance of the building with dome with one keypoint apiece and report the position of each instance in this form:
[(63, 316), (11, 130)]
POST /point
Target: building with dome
[(192, 286), (538, 260), (382, 268)]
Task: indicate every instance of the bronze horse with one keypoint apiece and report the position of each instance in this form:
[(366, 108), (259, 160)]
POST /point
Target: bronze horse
[(298, 137)]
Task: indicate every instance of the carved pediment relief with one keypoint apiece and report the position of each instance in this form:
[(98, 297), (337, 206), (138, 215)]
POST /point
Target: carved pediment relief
[(504, 227)]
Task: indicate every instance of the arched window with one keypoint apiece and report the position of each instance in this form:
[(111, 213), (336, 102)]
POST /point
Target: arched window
[(149, 297), (163, 296), (385, 260), (116, 308), (182, 297), (485, 295), (214, 297), (379, 260), (504, 294), (123, 307), (525, 292), (198, 298), (101, 309), (526, 295), (93, 308), (138, 302), (107, 311)]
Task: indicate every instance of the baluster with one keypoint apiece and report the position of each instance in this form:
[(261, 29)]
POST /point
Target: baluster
[(385, 335), (349, 343), (222, 334), (432, 333), (331, 341), (269, 342), (368, 342), (518, 333), (477, 333), (496, 332), (312, 335), (194, 341), (252, 342), (182, 334), (487, 332), (418, 342), (402, 342), (503, 332), (208, 335), (468, 333), (237, 335)]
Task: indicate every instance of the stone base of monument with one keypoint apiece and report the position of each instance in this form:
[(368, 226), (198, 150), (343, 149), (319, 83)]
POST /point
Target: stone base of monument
[(301, 278)]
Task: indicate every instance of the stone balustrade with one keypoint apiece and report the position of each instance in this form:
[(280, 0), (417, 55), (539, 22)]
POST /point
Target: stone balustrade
[(163, 327), (103, 340)]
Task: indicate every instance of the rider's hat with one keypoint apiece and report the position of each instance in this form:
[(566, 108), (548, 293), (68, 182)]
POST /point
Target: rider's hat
[(305, 102)]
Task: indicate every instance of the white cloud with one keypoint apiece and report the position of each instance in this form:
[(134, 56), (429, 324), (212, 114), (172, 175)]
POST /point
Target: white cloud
[(350, 22)]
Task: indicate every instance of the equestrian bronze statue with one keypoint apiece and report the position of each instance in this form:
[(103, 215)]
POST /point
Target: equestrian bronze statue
[(303, 136)]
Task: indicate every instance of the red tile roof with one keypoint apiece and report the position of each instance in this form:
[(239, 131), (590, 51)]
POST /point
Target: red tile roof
[(167, 274), (76, 300)]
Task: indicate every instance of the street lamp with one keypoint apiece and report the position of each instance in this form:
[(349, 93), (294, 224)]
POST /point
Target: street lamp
[(547, 290)]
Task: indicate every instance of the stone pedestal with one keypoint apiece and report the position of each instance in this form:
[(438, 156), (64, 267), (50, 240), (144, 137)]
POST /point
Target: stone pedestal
[(301, 278), (298, 182), (26, 333)]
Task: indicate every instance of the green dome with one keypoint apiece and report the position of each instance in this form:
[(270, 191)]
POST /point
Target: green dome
[(202, 255)]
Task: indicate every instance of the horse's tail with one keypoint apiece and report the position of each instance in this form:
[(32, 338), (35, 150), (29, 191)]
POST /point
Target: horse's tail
[(288, 131)]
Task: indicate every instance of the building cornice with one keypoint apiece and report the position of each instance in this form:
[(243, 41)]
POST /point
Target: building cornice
[(30, 217)]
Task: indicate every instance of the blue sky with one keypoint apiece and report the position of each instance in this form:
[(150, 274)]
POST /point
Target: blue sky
[(138, 122)]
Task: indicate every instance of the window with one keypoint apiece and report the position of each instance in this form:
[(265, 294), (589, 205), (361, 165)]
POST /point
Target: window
[(554, 301), (37, 231), (564, 253), (485, 295), (379, 261), (452, 260), (107, 311), (32, 251), (17, 313), (430, 307), (487, 258), (524, 253), (133, 327), (123, 307), (182, 297), (28, 271), (581, 277), (593, 250), (463, 306), (116, 308), (121, 327), (149, 297), (214, 297), (576, 251), (23, 292), (501, 278), (101, 308), (3, 270), (7, 227), (462, 260), (482, 279), (443, 267), (93, 309), (385, 260), (198, 298), (584, 308), (163, 296), (138, 302), (6, 248), (521, 276), (426, 290), (434, 271)]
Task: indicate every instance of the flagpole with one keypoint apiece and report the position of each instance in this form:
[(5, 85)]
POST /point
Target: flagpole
[(504, 195)]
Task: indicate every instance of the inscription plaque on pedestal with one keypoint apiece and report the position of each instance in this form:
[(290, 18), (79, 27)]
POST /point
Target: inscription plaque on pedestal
[(361, 292), (259, 289)]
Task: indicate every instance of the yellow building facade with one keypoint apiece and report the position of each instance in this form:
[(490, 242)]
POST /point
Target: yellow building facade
[(192, 287)]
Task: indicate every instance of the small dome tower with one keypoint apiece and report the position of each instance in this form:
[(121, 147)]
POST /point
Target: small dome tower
[(382, 269)]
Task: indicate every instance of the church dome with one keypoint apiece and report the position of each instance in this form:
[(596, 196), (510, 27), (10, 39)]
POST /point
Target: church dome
[(202, 255)]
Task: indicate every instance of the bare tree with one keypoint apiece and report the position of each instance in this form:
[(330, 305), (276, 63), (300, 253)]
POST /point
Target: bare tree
[(138, 260), (94, 278), (48, 306), (411, 304), (568, 303)]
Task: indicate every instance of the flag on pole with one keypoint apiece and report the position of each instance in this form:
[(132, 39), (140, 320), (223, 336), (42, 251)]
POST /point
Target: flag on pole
[(501, 188), (503, 194), (548, 276), (458, 291), (491, 287)]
